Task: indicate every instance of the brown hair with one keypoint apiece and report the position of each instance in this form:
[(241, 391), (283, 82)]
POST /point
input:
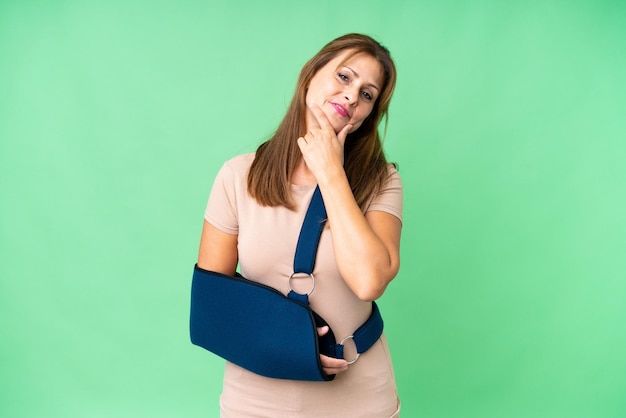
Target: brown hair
[(364, 161)]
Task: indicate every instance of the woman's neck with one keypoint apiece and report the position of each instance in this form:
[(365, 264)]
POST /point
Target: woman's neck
[(302, 176)]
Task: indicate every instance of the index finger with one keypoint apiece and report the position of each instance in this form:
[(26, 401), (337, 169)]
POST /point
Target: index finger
[(321, 118)]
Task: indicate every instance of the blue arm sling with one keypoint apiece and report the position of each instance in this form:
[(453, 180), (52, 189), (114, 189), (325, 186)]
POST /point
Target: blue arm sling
[(260, 329)]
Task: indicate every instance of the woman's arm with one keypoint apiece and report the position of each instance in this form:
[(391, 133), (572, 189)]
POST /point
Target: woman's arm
[(367, 247), (218, 250)]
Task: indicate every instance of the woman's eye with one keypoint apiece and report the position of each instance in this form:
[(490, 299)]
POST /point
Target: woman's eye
[(343, 77), (367, 95)]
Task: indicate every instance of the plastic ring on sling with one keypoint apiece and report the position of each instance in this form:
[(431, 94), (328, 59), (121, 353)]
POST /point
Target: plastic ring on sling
[(350, 337), (312, 283)]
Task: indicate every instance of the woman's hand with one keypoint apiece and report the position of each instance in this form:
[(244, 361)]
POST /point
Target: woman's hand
[(321, 147), (331, 365)]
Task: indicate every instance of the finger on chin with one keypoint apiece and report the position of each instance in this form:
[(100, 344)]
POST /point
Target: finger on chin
[(321, 117)]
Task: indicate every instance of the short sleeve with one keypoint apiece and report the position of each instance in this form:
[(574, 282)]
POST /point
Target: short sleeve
[(221, 209), (389, 199)]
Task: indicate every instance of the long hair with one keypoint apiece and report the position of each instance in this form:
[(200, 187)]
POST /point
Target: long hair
[(269, 179)]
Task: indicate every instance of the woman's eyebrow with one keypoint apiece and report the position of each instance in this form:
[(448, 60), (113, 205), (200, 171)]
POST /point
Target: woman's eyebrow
[(374, 86)]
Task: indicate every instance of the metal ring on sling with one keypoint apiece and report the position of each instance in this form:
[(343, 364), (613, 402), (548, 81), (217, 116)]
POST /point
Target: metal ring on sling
[(312, 283), (357, 354)]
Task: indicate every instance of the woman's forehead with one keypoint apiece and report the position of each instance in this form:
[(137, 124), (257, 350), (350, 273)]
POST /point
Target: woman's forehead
[(368, 65)]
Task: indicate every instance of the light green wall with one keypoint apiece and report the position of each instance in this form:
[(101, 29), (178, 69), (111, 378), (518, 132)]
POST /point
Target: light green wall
[(509, 129)]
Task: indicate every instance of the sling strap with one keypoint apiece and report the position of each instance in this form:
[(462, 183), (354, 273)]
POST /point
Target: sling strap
[(304, 262)]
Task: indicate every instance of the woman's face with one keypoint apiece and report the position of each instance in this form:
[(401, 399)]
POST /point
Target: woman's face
[(346, 92)]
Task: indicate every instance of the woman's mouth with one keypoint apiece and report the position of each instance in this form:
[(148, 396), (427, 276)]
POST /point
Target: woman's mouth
[(341, 110)]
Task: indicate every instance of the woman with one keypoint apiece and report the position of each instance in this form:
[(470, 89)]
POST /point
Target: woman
[(329, 138)]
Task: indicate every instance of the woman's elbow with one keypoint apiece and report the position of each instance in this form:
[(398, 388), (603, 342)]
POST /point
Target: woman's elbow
[(372, 289), (369, 293)]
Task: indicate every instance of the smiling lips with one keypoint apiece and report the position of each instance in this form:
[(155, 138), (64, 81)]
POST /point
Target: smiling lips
[(341, 110)]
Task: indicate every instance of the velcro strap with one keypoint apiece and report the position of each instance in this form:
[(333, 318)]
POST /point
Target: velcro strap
[(368, 333), (302, 298), (310, 234)]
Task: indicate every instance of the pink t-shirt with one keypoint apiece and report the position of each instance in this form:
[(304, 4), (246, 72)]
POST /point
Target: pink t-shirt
[(267, 238)]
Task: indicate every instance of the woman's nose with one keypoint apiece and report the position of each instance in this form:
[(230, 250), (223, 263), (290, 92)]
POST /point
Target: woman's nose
[(351, 96)]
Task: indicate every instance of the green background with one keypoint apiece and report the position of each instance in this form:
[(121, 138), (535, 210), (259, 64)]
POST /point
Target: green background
[(509, 127)]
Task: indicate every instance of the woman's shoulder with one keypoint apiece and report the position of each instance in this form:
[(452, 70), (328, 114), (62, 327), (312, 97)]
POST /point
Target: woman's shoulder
[(237, 166), (235, 170), (393, 176), (390, 195), (240, 162)]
